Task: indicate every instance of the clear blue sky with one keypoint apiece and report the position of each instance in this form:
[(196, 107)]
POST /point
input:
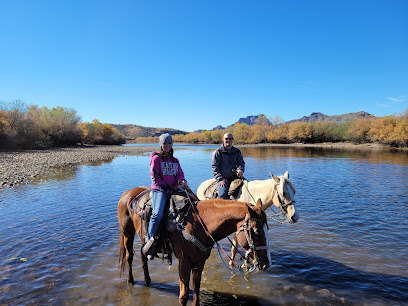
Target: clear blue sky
[(195, 64)]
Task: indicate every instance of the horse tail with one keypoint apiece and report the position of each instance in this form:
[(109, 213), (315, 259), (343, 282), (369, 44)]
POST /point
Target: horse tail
[(122, 252)]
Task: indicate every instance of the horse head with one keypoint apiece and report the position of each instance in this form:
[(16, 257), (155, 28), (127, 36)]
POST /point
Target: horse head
[(252, 235), (284, 197)]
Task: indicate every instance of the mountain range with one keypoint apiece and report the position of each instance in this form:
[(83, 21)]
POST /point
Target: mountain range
[(132, 131), (332, 119)]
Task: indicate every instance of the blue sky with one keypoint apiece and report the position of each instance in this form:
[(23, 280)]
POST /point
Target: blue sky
[(196, 64)]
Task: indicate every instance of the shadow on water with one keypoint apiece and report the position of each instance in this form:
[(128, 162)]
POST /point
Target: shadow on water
[(322, 273), (207, 297), (297, 278)]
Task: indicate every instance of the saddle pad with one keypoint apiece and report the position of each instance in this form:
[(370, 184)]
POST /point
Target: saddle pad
[(212, 191), (141, 200), (177, 201)]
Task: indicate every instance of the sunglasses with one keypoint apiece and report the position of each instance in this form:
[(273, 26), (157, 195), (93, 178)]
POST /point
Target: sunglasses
[(229, 138)]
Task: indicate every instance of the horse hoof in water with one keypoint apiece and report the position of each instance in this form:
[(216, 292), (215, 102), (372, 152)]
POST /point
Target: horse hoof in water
[(147, 282), (131, 280)]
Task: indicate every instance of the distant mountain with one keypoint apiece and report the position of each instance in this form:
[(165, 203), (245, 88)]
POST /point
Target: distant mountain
[(132, 131), (252, 120), (218, 127), (332, 119)]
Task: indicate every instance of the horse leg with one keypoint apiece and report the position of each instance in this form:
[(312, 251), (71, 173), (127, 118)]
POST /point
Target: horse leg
[(145, 268), (184, 276), (234, 249), (129, 238), (126, 238), (197, 273)]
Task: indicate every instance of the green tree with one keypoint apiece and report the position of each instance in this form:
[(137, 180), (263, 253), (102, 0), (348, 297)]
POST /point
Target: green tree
[(61, 125)]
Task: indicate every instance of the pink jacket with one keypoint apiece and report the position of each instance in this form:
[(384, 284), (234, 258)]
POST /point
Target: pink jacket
[(165, 173)]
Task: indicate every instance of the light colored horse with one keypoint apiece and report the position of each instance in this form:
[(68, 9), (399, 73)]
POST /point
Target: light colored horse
[(277, 191)]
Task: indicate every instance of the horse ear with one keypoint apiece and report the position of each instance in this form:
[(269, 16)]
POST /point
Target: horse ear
[(286, 175), (259, 204), (274, 177)]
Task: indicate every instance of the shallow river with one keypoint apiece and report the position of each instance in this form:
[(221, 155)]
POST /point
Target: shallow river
[(59, 235)]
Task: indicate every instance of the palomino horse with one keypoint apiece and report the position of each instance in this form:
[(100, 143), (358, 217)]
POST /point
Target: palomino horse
[(207, 222), (278, 190)]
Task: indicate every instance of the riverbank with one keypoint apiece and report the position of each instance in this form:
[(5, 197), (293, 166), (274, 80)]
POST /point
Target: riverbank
[(327, 145), (17, 167)]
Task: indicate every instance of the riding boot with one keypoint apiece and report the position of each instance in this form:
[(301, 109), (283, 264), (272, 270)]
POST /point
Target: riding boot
[(149, 249)]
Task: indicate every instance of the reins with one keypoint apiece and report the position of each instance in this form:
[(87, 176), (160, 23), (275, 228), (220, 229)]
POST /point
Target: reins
[(208, 233), (280, 201), (243, 227)]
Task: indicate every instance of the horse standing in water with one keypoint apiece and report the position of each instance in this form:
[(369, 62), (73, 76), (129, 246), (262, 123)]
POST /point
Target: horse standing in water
[(277, 191), (210, 221)]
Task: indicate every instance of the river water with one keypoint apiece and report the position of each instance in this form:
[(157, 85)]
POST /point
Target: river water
[(59, 235)]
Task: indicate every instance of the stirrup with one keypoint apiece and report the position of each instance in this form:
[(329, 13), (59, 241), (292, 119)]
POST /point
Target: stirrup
[(147, 246), (149, 249)]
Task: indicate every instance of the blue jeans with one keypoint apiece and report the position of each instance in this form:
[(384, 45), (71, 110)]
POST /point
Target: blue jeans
[(158, 205), (223, 191)]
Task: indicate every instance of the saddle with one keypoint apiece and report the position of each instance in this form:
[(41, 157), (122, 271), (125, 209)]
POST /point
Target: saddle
[(177, 208), (212, 191)]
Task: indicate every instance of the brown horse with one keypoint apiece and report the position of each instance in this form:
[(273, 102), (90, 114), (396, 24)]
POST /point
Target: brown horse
[(220, 219)]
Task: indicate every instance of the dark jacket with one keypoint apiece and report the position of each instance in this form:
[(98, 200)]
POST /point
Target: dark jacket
[(224, 161)]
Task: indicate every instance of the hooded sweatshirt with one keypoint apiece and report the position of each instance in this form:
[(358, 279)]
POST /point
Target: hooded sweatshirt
[(165, 173)]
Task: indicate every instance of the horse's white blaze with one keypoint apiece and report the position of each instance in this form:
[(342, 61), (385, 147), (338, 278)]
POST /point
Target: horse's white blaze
[(290, 193), (280, 187)]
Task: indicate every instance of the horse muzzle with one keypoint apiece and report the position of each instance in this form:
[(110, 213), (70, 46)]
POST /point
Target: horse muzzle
[(291, 213), (257, 262), (260, 266)]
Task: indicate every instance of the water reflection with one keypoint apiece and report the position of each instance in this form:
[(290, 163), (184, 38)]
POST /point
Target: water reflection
[(66, 173), (374, 156)]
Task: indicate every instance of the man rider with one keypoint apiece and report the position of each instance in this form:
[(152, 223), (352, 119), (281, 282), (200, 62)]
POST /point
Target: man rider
[(227, 164)]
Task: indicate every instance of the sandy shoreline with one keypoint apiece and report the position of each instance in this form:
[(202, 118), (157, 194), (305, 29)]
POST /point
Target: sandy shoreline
[(18, 167)]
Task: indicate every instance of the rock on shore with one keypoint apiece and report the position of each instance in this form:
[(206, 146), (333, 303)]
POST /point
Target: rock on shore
[(18, 167)]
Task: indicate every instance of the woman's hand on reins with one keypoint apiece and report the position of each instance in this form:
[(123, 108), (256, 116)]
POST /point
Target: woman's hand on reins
[(183, 184)]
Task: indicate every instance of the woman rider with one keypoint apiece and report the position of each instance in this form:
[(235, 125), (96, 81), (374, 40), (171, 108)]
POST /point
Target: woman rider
[(166, 175)]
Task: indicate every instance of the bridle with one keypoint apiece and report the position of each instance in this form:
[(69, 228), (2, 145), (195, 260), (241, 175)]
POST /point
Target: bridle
[(283, 206), (246, 228)]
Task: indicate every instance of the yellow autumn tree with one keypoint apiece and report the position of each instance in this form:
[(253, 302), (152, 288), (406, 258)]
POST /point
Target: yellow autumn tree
[(300, 132), (359, 130), (278, 133)]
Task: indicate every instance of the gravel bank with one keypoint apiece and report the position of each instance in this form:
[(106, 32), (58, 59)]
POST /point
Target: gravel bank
[(18, 167)]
